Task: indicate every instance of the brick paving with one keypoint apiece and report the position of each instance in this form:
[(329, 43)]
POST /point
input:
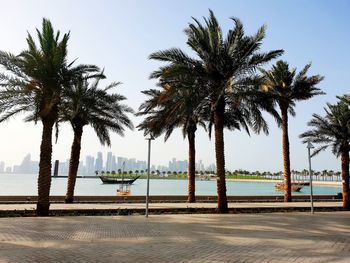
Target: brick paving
[(92, 209), (273, 237), (74, 206)]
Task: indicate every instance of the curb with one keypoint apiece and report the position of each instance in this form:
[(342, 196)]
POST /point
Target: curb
[(157, 211)]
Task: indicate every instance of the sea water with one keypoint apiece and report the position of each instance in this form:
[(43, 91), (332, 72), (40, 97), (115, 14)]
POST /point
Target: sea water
[(26, 184)]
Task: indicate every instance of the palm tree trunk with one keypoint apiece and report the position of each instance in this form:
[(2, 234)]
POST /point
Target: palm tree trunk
[(191, 164), (74, 163), (220, 158), (286, 157), (44, 179), (345, 178)]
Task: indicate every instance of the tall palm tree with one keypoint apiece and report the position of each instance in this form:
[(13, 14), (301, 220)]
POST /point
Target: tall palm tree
[(286, 87), (32, 82), (333, 130), (226, 67), (173, 107), (85, 104)]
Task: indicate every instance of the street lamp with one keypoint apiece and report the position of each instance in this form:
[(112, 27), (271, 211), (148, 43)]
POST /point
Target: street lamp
[(149, 138), (309, 147)]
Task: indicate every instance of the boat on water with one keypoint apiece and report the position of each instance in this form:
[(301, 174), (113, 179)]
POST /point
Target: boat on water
[(304, 183), (124, 190), (296, 187), (110, 179), (113, 178)]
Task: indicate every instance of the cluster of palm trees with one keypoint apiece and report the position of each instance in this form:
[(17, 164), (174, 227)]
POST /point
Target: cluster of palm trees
[(222, 86), (42, 83)]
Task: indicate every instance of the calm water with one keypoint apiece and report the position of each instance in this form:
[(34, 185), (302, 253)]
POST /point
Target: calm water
[(27, 185)]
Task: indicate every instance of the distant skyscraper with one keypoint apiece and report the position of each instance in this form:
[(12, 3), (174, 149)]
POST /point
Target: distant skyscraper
[(90, 164), (63, 167), (114, 164), (109, 161), (200, 166), (81, 168), (99, 162), (25, 165), (122, 163), (2, 167)]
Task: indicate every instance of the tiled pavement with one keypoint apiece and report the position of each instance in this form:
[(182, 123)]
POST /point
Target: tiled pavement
[(274, 237), (83, 206), (92, 209)]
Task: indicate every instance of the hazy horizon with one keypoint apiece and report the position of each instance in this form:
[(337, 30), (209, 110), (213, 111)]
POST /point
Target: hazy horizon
[(119, 36)]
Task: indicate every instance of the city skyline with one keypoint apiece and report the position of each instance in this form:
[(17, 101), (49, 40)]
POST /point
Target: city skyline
[(89, 164), (143, 27)]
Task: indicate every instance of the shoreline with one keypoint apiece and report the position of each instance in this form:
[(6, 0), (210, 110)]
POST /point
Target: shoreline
[(319, 183)]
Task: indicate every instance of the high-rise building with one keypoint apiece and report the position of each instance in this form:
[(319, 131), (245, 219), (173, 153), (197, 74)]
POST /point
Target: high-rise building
[(90, 165), (211, 167), (99, 162), (25, 165), (114, 164), (2, 167), (81, 168), (122, 163), (200, 166), (63, 167), (109, 161), (141, 165)]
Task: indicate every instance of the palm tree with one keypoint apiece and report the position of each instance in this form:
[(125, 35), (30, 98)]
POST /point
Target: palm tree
[(33, 82), (333, 130), (168, 109), (225, 68), (85, 104), (286, 87)]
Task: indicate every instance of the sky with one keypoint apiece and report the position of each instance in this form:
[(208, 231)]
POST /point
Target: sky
[(120, 35)]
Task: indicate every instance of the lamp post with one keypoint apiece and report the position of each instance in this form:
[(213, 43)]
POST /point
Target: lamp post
[(309, 147), (149, 138)]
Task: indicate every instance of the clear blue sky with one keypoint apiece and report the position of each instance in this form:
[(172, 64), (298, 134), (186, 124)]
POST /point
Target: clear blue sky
[(119, 36)]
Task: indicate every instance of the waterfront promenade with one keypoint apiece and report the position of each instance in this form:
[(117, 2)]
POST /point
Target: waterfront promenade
[(28, 209), (267, 237)]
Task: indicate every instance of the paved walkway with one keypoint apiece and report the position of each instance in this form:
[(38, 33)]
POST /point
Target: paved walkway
[(88, 206), (275, 237)]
